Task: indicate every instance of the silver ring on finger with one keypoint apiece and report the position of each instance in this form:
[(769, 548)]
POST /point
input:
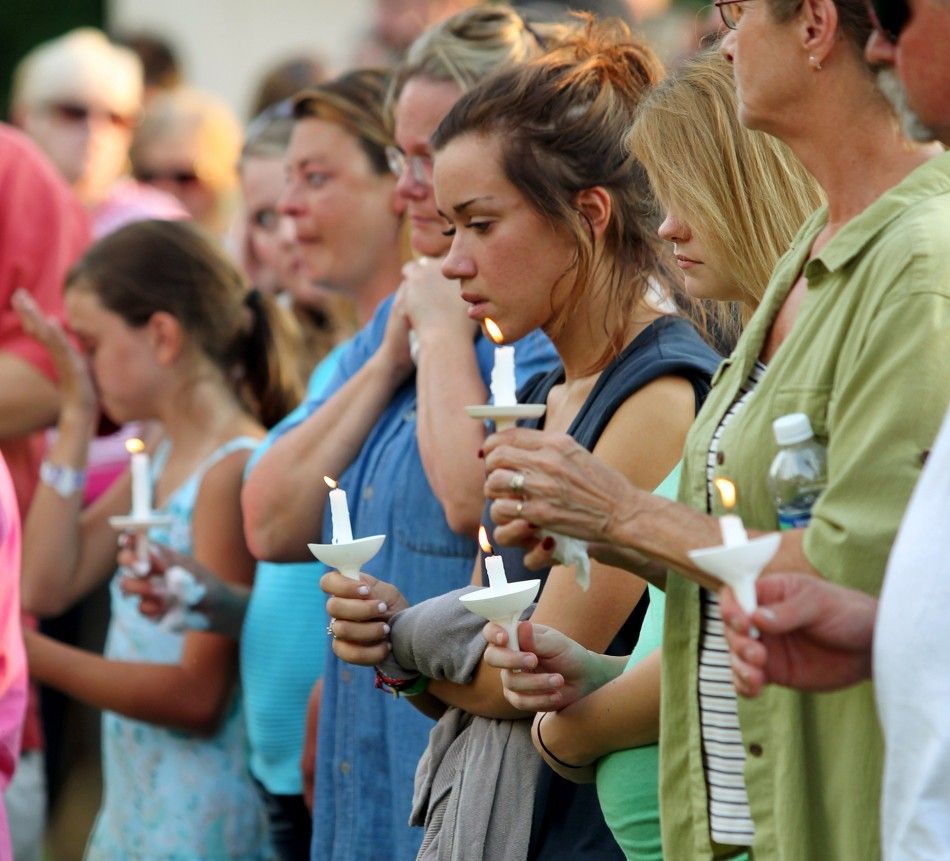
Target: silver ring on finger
[(520, 507), (517, 482), (330, 629)]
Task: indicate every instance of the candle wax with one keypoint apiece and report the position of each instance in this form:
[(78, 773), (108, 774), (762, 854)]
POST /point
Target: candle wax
[(495, 566), (141, 486), (340, 515), (503, 378), (733, 532)]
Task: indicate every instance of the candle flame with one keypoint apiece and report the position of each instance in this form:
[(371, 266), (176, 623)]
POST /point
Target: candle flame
[(330, 482), (494, 331), (483, 539), (727, 492), (134, 446)]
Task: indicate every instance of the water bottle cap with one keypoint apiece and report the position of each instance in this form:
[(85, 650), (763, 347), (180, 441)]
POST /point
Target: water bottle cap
[(792, 428)]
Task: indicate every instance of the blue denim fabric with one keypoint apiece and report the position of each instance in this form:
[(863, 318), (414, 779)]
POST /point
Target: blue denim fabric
[(369, 743)]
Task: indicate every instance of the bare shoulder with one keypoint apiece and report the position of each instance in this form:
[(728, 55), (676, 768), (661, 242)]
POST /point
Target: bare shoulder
[(644, 438)]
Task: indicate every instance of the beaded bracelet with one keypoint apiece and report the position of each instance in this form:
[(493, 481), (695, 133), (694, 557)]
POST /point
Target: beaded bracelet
[(546, 749), (401, 687)]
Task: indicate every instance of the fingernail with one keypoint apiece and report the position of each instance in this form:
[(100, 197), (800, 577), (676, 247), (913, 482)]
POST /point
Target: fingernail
[(363, 590), (382, 607), (481, 452), (499, 638), (767, 613), (548, 543), (385, 628), (552, 680), (747, 653)]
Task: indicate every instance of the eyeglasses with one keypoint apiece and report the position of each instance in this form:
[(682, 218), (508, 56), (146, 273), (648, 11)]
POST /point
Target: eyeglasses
[(731, 11), (75, 112), (889, 17), (419, 166), (184, 177)]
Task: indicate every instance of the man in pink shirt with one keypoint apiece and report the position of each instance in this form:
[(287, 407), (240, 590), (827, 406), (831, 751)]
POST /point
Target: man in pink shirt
[(43, 231)]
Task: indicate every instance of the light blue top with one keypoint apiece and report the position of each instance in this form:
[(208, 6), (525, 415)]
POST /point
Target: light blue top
[(170, 794), (369, 743), (283, 644)]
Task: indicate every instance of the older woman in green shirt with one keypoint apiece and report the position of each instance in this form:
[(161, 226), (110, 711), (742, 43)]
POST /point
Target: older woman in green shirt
[(854, 331)]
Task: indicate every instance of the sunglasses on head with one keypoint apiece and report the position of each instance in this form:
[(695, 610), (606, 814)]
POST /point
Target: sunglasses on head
[(889, 17), (75, 112)]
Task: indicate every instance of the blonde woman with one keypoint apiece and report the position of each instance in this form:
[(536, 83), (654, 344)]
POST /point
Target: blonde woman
[(733, 200)]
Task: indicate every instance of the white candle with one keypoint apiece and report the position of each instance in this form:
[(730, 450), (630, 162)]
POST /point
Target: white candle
[(503, 377), (495, 566), (733, 532), (141, 480), (339, 513)]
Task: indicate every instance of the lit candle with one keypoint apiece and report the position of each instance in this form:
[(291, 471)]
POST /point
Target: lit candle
[(494, 565), (141, 479), (339, 513), (503, 387), (733, 532)]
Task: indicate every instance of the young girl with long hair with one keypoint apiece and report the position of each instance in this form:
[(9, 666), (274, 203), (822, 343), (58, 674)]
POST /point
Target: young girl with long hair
[(174, 336)]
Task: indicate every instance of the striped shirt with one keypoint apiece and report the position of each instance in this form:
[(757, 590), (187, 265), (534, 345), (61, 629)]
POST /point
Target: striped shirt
[(723, 753)]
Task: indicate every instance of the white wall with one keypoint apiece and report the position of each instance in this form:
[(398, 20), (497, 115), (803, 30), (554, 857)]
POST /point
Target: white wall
[(225, 45)]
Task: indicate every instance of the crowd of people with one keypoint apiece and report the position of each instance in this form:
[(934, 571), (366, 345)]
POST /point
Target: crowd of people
[(203, 327)]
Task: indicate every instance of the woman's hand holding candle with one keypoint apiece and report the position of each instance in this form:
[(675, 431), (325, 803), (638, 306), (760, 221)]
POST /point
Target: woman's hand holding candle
[(560, 670), (565, 489), (358, 614)]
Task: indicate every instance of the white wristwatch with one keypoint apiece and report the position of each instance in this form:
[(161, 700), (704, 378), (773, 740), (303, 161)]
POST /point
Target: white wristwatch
[(63, 479)]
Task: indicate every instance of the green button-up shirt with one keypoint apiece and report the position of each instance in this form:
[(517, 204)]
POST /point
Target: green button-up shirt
[(868, 360)]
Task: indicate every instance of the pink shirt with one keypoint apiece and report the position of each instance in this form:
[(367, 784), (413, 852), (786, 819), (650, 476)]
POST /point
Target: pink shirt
[(13, 672), (43, 231)]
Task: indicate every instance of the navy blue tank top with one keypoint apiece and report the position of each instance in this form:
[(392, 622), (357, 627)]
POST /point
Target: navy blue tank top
[(568, 823)]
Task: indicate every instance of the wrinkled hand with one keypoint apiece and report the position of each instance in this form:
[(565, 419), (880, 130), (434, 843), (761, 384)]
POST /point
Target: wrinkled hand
[(550, 672), (221, 607), (432, 302), (814, 635), (77, 391), (359, 612), (566, 489)]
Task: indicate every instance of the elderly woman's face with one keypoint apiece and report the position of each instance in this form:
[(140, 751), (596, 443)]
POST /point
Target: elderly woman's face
[(767, 61)]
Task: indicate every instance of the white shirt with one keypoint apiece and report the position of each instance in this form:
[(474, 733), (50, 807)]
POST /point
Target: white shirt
[(912, 670)]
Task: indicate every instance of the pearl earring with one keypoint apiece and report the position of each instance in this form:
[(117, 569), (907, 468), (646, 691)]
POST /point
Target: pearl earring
[(815, 63)]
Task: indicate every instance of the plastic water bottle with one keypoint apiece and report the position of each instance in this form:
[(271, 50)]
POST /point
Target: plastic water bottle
[(799, 471)]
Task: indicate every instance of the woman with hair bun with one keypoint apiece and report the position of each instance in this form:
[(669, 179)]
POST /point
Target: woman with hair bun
[(552, 227)]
